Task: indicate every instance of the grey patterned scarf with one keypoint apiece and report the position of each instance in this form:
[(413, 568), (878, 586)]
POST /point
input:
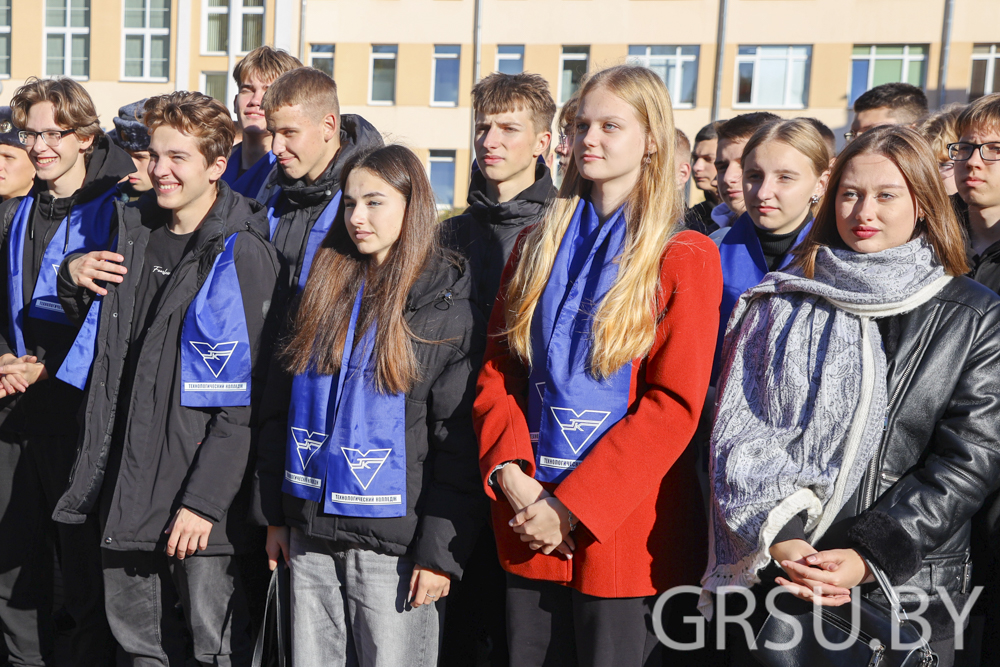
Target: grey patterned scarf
[(802, 397)]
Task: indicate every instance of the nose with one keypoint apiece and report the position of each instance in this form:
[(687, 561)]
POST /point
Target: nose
[(491, 138), (158, 168), (733, 175), (357, 216), (278, 144), (258, 95), (864, 210), (765, 190)]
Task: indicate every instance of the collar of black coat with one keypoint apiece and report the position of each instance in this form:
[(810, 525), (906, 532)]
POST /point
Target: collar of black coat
[(527, 205), (443, 279)]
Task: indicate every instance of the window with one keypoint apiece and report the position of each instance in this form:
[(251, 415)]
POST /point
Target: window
[(248, 21), (67, 38), (772, 77), (510, 59), (5, 38), (676, 65), (213, 84), (873, 65), (444, 78), (443, 177), (383, 67), (147, 39), (321, 57), (985, 72), (572, 67)]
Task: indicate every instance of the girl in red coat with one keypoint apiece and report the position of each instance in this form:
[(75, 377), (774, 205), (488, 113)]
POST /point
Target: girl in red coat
[(596, 369)]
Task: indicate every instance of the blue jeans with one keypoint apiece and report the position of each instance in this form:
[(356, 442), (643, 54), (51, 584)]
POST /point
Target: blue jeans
[(349, 608)]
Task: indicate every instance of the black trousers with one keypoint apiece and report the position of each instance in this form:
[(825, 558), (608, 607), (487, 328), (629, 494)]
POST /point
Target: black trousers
[(550, 625), (477, 607), (33, 474)]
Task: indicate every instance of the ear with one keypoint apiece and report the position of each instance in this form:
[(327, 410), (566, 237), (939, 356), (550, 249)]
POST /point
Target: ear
[(330, 128), (683, 173), (86, 142), (217, 169), (650, 146), (542, 142), (822, 183)]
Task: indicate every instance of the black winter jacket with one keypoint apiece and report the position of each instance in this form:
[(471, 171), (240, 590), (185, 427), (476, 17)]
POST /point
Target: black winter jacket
[(939, 458), (300, 205), (171, 456), (446, 507), (485, 233), (50, 406)]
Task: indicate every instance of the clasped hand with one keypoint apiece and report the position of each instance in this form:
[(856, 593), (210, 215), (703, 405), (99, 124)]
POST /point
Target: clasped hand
[(19, 373), (541, 519), (821, 577)]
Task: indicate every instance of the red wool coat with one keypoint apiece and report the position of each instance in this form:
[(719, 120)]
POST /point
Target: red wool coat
[(636, 494)]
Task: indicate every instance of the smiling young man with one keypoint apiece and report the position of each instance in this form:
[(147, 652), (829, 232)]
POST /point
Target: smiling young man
[(172, 350), (510, 187), (252, 160), (133, 137), (17, 173), (68, 209)]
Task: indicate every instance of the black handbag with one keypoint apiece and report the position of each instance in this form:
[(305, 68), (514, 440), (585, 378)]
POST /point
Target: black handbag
[(273, 647), (872, 643)]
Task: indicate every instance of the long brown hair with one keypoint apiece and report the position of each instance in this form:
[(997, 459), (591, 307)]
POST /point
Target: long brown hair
[(338, 270), (911, 153), (624, 324)]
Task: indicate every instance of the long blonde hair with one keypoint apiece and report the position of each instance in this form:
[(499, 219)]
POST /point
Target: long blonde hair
[(624, 324)]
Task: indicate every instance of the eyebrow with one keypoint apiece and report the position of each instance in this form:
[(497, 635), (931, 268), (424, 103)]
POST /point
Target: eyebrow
[(886, 186)]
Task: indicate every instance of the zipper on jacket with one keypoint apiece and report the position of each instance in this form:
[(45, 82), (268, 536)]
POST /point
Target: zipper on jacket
[(868, 497)]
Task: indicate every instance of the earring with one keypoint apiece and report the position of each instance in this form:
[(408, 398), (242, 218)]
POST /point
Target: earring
[(646, 160), (814, 200)]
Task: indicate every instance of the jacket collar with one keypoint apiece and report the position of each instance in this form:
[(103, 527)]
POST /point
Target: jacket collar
[(528, 205)]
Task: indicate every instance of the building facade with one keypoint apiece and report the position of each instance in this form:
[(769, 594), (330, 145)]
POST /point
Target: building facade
[(408, 65)]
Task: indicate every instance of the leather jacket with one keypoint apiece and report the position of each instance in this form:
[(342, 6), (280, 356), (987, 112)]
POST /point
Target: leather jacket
[(939, 458)]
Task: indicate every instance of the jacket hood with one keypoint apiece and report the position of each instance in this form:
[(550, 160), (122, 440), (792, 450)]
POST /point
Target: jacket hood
[(108, 165), (527, 205), (444, 278), (356, 135)]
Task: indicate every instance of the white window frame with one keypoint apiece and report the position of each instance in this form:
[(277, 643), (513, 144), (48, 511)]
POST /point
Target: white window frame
[(755, 59), (991, 59), (203, 81), (67, 32), (674, 86), (566, 57), (314, 54), (372, 57), (5, 30), (434, 65), (236, 11), (453, 159), (147, 34), (509, 56), (905, 57)]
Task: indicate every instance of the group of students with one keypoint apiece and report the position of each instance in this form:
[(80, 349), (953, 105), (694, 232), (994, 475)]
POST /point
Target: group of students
[(209, 354)]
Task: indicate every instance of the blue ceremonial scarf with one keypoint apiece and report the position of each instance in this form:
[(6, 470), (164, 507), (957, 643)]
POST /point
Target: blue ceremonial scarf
[(86, 228), (743, 267), (346, 435), (215, 344), (316, 234), (568, 409), (252, 180)]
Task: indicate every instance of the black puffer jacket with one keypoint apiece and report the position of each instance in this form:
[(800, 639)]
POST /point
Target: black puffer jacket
[(171, 456), (939, 458), (446, 507), (485, 233), (49, 408), (300, 204)]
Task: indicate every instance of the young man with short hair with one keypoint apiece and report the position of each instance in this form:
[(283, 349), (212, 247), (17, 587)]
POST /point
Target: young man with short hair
[(682, 162), (17, 174), (169, 357), (977, 176), (703, 172), (828, 136), (69, 209), (252, 160), (510, 188), (733, 135), (888, 104), (133, 137)]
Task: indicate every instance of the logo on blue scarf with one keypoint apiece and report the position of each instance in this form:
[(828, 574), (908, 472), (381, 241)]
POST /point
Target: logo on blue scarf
[(307, 443), (215, 356), (579, 427), (364, 466)]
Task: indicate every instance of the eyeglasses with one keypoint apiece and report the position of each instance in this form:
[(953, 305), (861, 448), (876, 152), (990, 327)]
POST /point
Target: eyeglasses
[(563, 138), (963, 151), (946, 167), (50, 137), (851, 136)]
